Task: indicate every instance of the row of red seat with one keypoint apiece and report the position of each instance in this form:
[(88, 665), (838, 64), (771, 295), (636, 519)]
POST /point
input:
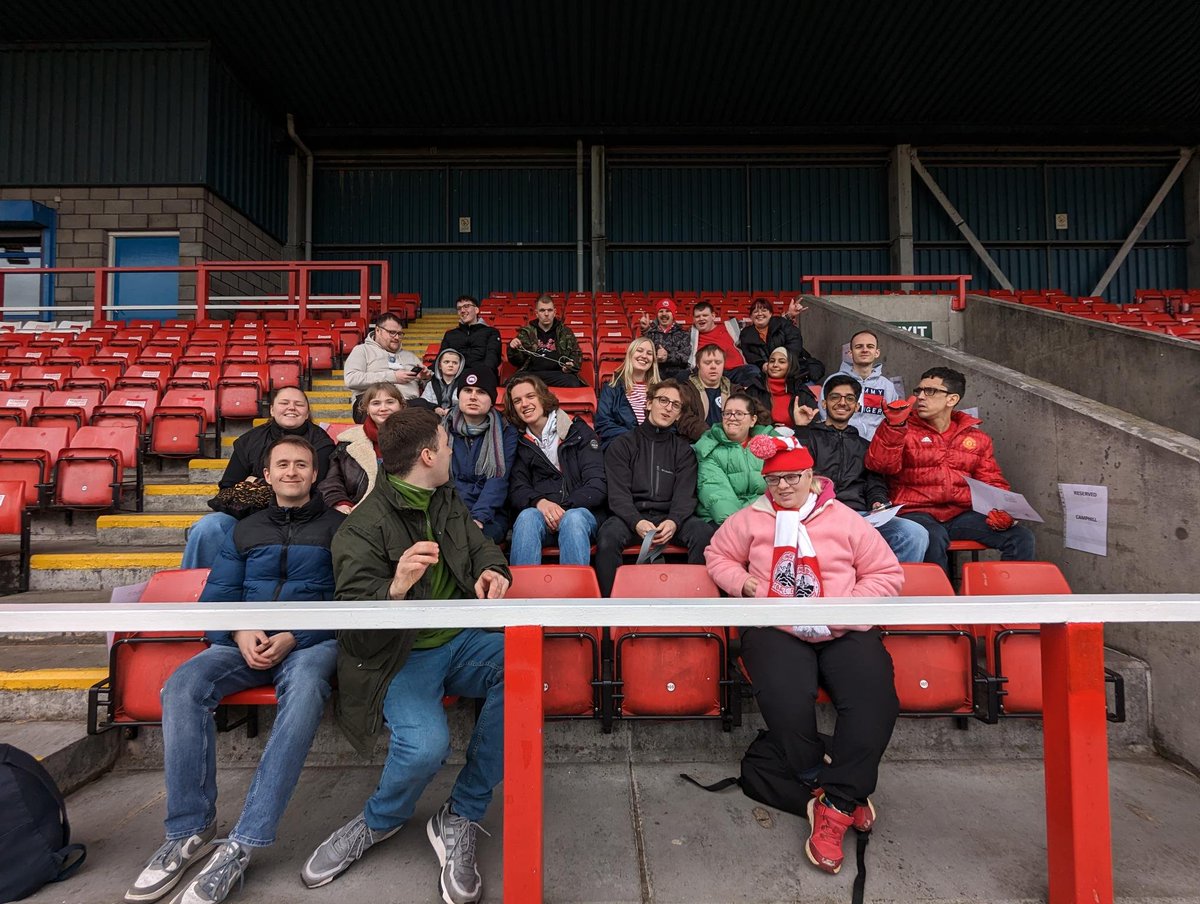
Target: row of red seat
[(989, 671)]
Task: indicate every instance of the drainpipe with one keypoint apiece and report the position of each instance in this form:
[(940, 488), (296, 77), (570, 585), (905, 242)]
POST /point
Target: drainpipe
[(308, 184), (578, 216)]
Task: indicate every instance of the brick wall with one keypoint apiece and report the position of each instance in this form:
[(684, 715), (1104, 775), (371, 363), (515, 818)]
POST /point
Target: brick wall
[(209, 230)]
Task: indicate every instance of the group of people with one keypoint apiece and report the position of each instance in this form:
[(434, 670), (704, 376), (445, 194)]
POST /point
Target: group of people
[(415, 502)]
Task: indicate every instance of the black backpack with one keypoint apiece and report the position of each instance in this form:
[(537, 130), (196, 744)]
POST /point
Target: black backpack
[(766, 778), (35, 835)]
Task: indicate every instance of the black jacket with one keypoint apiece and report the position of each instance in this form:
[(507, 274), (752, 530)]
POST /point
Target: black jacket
[(580, 483), (780, 332), (840, 455), (251, 447), (651, 474), (479, 343)]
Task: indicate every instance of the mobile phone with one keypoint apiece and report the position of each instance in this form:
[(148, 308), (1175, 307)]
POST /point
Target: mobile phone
[(415, 369)]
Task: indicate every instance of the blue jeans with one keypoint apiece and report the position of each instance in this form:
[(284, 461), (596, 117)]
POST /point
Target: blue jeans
[(575, 533), (470, 665), (1015, 544), (907, 539), (190, 736), (206, 538)]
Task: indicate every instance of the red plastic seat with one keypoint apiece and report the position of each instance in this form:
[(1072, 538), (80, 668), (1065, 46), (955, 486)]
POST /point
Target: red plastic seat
[(195, 376), (336, 430), (17, 406), (241, 389), (181, 421), (576, 401), (94, 376), (1014, 652), (28, 455), (133, 405), (93, 471), (14, 520), (668, 672), (288, 366), (46, 377), (934, 664), (570, 656), (146, 376)]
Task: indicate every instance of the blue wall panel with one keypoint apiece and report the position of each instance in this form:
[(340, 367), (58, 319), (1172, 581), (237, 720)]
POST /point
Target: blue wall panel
[(999, 203), (782, 270), (677, 204), (1103, 202), (378, 206), (513, 205), (819, 204), (671, 270)]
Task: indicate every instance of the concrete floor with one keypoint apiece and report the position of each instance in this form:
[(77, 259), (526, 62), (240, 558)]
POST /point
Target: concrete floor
[(634, 832)]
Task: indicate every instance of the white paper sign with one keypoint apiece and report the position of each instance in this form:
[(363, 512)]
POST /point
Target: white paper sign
[(880, 517), (984, 498), (1085, 517)]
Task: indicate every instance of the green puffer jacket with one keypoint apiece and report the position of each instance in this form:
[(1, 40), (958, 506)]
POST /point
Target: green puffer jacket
[(730, 476), (365, 552)]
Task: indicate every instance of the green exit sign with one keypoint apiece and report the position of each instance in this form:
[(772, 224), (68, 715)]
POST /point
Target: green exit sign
[(922, 328)]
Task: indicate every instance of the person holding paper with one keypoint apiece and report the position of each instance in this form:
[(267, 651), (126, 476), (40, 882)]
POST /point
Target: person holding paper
[(839, 453), (926, 459), (798, 541)]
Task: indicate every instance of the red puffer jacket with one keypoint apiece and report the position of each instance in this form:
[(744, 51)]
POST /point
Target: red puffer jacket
[(925, 468)]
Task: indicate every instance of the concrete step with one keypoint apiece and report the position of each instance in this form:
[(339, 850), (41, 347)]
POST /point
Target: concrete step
[(207, 470), (71, 756), (88, 570), (154, 529), (177, 497), (49, 681)]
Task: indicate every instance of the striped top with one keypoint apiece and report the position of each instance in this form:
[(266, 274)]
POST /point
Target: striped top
[(637, 400)]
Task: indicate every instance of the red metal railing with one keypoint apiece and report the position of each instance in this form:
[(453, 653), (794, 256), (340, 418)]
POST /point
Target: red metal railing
[(298, 274), (960, 280)]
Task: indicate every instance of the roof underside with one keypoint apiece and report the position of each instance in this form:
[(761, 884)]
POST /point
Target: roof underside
[(1103, 71)]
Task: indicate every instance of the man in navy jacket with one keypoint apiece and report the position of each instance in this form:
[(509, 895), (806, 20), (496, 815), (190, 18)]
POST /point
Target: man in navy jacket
[(278, 554)]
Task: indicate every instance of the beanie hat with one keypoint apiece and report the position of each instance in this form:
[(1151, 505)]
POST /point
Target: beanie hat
[(665, 304), (479, 377), (780, 453)]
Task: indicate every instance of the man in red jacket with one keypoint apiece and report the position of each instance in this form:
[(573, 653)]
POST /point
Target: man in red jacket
[(925, 460)]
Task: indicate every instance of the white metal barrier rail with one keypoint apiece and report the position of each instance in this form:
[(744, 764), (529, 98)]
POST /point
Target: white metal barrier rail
[(1078, 823)]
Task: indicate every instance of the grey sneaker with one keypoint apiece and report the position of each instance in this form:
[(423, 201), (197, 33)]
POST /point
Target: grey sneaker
[(453, 837), (334, 855), (213, 883), (168, 865)]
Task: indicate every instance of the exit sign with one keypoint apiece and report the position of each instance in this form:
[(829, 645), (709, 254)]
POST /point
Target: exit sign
[(922, 328)]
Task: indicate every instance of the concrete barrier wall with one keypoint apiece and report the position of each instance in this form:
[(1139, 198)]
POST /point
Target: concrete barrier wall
[(1046, 435), (1148, 374)]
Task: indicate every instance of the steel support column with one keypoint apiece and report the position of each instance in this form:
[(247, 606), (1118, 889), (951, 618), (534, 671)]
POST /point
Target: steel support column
[(1075, 731), (599, 230), (523, 764), (900, 211), (1191, 220)]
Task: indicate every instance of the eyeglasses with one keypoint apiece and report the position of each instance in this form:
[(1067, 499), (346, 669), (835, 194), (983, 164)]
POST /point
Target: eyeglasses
[(669, 404), (774, 480), (839, 397), (929, 391), (735, 415), (395, 334)]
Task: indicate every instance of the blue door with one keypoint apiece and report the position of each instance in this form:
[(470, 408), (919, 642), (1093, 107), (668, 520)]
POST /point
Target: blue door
[(154, 295)]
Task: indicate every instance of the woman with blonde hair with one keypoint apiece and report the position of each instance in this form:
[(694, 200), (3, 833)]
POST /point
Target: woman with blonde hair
[(622, 402), (355, 462)]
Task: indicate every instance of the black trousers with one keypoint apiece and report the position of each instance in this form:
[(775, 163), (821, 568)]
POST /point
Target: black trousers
[(554, 378), (614, 535), (857, 672)]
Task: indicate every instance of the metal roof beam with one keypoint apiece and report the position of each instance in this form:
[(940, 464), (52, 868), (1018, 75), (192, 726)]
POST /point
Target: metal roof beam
[(1185, 154), (961, 224)]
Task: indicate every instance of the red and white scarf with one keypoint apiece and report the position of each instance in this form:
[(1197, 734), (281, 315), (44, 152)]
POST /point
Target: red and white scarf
[(795, 571)]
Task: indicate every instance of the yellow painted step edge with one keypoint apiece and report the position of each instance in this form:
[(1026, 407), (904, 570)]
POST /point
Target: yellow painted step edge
[(91, 560), (208, 464), (51, 679), (179, 489), (106, 522)]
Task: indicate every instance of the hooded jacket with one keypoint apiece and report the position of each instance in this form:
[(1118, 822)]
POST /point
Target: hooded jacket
[(693, 416), (440, 393), (365, 552), (580, 483), (479, 343), (651, 473), (877, 391), (250, 450), (840, 456), (369, 362), (730, 475), (855, 560), (614, 414), (352, 469), (565, 346), (276, 554), (925, 469)]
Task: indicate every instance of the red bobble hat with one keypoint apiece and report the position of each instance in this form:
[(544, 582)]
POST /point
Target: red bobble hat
[(665, 304), (780, 453)]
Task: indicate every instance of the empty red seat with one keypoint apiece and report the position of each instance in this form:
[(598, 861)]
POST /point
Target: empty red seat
[(576, 401), (181, 422), (94, 376), (571, 656), (46, 377), (94, 469), (195, 376), (18, 405), (241, 389), (148, 376), (14, 521), (28, 455), (668, 671), (127, 404)]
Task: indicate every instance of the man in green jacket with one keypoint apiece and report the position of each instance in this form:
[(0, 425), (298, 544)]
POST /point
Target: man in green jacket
[(413, 538), (547, 348)]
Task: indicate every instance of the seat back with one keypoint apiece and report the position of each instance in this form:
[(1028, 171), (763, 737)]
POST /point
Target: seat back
[(120, 436), (19, 405), (29, 454), (12, 507)]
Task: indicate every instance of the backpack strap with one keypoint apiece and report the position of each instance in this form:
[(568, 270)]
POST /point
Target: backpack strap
[(715, 786), (63, 855), (860, 857)]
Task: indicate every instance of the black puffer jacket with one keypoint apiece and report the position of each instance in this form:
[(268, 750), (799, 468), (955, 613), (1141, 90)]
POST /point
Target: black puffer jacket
[(651, 474), (479, 343), (841, 455), (580, 483), (251, 447), (780, 332)]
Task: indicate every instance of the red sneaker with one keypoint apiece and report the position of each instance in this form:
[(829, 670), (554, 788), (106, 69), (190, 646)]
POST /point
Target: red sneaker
[(864, 814), (828, 829)]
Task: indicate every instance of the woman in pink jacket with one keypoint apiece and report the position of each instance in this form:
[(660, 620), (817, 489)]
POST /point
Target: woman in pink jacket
[(799, 541)]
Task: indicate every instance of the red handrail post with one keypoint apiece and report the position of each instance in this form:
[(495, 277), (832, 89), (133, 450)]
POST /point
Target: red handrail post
[(1075, 732), (99, 295), (364, 292), (523, 864), (2, 272), (292, 294), (385, 285), (202, 287), (302, 295)]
